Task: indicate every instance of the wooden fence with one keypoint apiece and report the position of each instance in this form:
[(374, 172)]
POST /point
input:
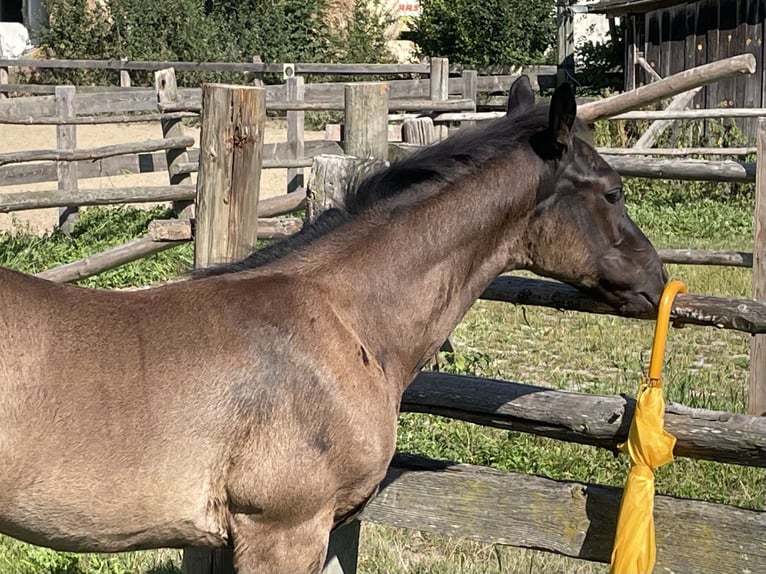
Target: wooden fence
[(443, 497)]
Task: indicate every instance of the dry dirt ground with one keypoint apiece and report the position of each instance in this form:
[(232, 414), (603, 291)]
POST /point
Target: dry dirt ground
[(19, 138)]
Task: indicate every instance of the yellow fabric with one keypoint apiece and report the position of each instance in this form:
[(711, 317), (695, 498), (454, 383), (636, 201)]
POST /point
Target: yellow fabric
[(649, 446)]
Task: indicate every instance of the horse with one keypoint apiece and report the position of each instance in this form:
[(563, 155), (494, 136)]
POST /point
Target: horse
[(254, 405)]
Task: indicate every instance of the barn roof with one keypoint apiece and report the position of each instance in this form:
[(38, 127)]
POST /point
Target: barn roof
[(613, 8)]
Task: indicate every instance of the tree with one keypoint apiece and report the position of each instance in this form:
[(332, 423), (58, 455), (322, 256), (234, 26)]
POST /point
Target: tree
[(490, 32)]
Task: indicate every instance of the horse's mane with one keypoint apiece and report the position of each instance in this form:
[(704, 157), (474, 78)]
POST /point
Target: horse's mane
[(427, 171)]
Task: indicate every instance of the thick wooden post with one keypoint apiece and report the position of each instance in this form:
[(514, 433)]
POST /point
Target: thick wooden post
[(295, 132), (420, 131), (756, 402), (366, 122), (439, 89), (66, 139), (231, 154), (167, 92)]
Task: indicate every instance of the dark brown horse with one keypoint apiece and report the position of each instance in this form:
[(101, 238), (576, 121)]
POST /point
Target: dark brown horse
[(256, 406)]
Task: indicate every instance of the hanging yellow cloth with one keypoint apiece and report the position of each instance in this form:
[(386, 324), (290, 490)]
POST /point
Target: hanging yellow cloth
[(649, 447)]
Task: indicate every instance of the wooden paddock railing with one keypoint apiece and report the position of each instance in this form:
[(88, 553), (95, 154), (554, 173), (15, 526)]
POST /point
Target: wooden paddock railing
[(443, 497)]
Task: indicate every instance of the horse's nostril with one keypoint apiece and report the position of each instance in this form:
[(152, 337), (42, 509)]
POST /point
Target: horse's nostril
[(665, 275)]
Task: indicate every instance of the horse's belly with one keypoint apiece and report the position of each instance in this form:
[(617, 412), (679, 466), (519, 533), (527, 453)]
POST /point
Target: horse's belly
[(72, 527), (93, 512)]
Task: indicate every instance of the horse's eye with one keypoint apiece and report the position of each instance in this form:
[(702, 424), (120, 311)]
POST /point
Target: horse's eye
[(614, 195)]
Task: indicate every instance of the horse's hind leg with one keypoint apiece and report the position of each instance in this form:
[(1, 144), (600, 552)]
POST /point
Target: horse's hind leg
[(266, 548)]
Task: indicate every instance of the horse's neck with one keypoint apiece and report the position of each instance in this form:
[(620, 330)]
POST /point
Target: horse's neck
[(408, 280)]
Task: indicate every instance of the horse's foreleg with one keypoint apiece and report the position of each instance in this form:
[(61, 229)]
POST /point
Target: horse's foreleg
[(261, 547)]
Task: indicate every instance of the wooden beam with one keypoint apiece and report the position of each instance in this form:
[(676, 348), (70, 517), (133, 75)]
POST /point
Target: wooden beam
[(704, 257), (295, 92), (96, 120), (167, 91), (253, 67), (597, 420), (366, 124), (744, 315), (22, 200), (679, 102), (675, 84), (96, 152), (569, 518), (66, 142), (756, 400), (685, 169), (676, 152), (109, 259)]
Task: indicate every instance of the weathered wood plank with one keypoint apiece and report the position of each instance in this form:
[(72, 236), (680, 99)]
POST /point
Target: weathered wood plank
[(744, 315), (295, 92), (675, 84), (757, 377), (275, 155), (230, 172), (66, 142), (97, 120), (701, 257), (686, 169), (96, 152), (167, 91), (21, 200), (567, 518), (596, 420), (109, 259), (366, 124)]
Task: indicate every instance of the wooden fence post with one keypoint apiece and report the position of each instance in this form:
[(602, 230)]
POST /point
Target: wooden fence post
[(66, 139), (167, 91), (332, 178), (756, 402), (231, 154), (295, 90), (124, 75), (4, 79), (439, 89), (366, 122), (419, 131), (470, 90)]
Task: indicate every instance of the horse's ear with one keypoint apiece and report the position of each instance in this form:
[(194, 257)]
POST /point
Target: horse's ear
[(520, 94), (561, 115)]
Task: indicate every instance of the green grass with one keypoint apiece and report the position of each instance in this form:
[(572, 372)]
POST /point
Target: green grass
[(705, 368)]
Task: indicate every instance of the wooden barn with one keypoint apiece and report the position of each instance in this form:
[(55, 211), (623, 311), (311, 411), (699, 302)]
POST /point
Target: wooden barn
[(671, 36)]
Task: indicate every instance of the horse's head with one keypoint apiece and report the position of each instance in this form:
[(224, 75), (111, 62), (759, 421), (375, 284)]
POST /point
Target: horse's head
[(580, 232)]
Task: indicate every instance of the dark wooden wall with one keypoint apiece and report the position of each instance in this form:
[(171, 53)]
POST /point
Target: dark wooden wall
[(690, 34)]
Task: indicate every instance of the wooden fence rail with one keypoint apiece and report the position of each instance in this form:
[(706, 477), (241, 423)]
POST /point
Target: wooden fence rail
[(563, 517), (96, 152), (746, 315), (596, 420)]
